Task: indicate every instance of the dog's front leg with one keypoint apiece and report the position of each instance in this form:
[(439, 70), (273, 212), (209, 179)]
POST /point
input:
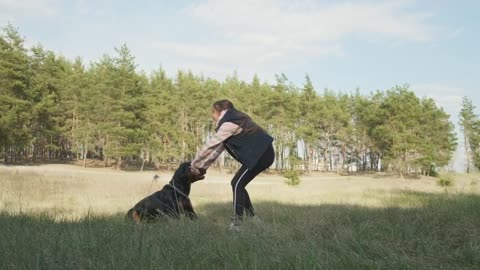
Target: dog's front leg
[(187, 206)]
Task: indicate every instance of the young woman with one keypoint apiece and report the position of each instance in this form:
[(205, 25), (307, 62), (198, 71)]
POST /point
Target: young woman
[(246, 142)]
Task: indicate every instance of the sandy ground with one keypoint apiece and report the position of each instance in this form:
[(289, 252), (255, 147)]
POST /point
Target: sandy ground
[(69, 190)]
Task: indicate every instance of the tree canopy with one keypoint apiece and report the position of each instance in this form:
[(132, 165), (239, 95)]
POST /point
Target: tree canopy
[(57, 108)]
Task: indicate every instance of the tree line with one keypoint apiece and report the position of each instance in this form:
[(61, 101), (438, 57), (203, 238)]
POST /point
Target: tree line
[(60, 109)]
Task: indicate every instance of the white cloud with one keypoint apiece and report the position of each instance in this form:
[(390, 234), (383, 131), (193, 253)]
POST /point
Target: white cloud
[(447, 96), (305, 21), (227, 54), (10, 10), (261, 36)]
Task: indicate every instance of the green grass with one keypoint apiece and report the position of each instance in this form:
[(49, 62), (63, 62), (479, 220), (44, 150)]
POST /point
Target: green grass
[(414, 231)]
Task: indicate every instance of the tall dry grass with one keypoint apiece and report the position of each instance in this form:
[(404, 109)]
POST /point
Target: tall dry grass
[(68, 219)]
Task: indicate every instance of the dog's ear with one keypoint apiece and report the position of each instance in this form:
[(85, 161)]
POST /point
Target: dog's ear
[(182, 172)]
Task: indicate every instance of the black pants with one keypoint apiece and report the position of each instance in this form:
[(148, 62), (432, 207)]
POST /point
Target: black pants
[(241, 200)]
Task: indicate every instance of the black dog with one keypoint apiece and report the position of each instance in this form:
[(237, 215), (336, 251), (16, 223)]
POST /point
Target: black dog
[(170, 200)]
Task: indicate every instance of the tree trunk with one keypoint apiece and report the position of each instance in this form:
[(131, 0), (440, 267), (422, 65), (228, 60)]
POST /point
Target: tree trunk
[(325, 158), (330, 161), (221, 161), (119, 163), (85, 152), (5, 155), (143, 163), (282, 157), (380, 166), (309, 158), (467, 153), (182, 155), (34, 155)]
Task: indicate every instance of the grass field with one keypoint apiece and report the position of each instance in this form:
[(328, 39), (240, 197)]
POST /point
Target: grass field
[(63, 217)]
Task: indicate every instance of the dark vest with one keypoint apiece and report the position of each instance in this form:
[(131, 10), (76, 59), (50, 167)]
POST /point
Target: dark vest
[(248, 146)]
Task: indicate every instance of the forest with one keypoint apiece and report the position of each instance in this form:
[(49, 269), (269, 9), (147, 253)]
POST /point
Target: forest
[(58, 109)]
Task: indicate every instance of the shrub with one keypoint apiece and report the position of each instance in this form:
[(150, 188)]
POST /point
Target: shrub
[(446, 180), (292, 177)]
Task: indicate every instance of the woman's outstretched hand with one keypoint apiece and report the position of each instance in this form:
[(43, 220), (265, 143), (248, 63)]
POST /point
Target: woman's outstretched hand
[(198, 171)]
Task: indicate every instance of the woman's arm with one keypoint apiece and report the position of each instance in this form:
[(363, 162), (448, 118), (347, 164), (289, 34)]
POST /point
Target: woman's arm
[(214, 147)]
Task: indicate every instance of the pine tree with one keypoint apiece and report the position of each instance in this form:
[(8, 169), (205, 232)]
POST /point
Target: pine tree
[(46, 84), (469, 123), (306, 130), (437, 139), (14, 94)]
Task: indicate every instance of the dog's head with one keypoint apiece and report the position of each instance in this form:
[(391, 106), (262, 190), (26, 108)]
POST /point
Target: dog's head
[(185, 174)]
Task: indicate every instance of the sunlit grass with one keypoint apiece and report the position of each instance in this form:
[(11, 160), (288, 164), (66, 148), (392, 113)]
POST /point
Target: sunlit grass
[(442, 232), (55, 221)]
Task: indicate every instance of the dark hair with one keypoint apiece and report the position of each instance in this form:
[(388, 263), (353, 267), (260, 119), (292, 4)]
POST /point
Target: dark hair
[(247, 123), (222, 105)]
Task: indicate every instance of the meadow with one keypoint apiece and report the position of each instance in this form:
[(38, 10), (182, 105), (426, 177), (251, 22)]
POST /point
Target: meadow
[(65, 217)]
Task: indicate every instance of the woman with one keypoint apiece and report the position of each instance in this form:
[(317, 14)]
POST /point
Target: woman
[(246, 142)]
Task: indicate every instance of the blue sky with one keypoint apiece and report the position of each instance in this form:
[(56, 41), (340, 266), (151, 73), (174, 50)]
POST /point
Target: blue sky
[(370, 44)]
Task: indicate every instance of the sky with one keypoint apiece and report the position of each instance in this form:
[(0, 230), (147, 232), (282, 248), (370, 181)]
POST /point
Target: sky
[(342, 45)]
